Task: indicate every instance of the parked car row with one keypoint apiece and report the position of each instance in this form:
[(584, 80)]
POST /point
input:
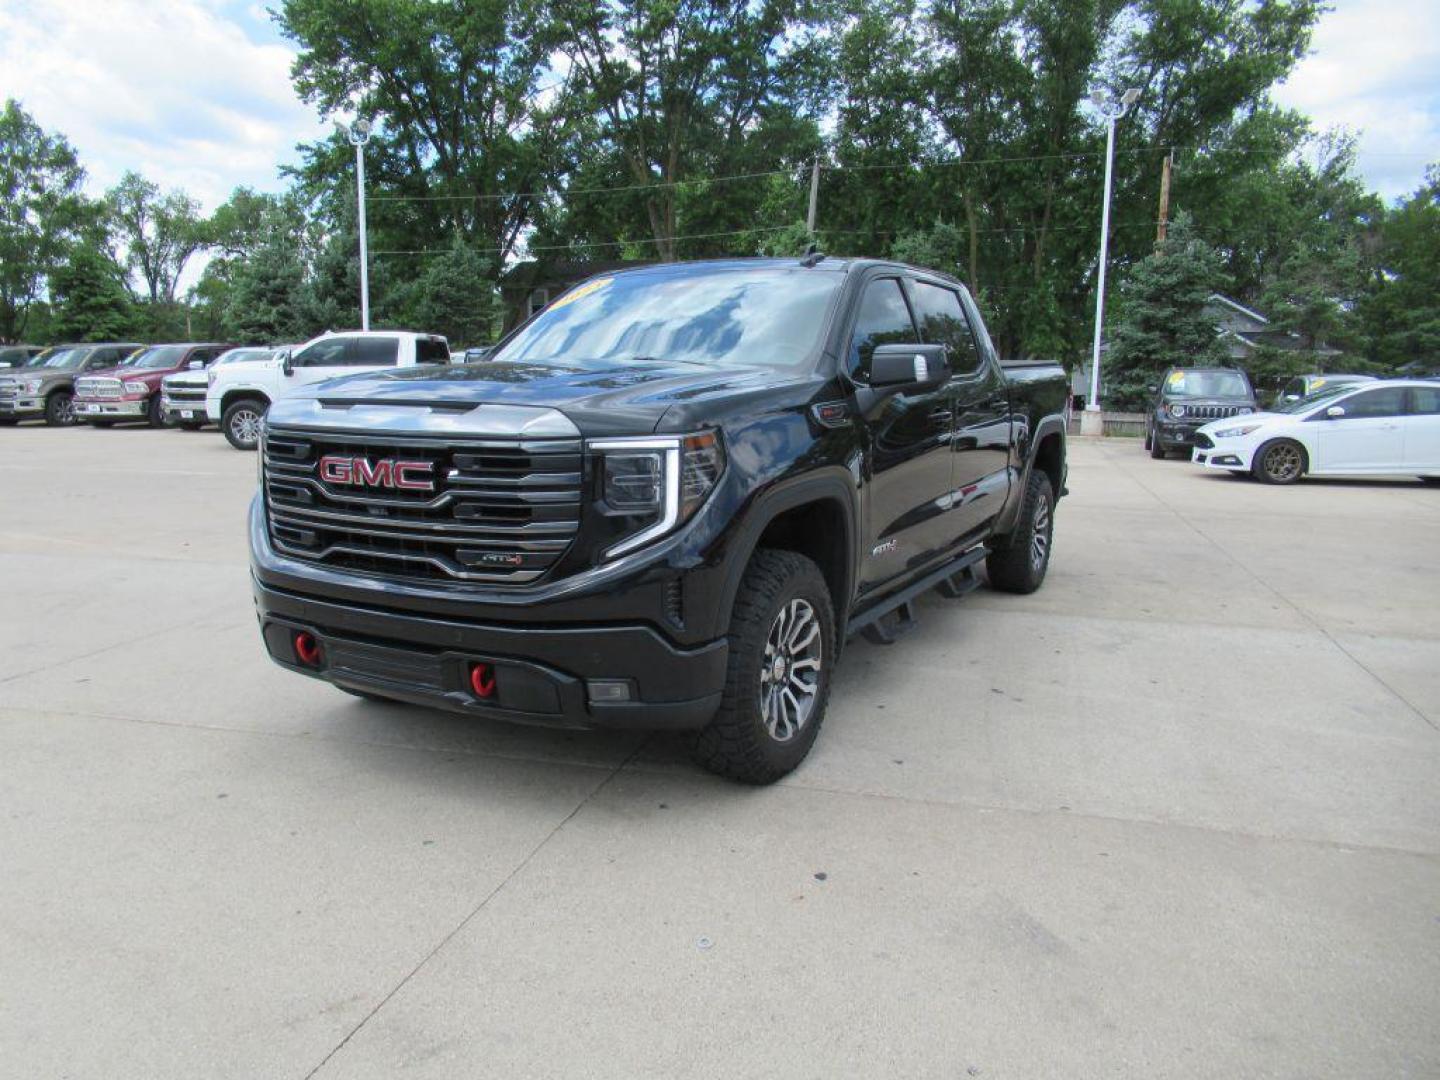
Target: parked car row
[(188, 384)]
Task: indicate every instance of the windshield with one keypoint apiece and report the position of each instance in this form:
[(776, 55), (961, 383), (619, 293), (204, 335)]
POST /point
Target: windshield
[(1206, 384), (40, 358), (65, 358), (161, 356), (719, 316), (243, 356), (1305, 404)]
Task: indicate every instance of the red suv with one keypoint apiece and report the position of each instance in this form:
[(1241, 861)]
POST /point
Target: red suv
[(132, 390)]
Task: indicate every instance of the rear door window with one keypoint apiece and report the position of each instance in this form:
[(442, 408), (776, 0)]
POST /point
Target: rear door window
[(430, 351), (884, 319), (376, 352), (1425, 400), (943, 321)]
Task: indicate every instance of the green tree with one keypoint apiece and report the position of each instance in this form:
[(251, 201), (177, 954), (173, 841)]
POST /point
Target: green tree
[(89, 300), (1163, 319), (42, 211), (160, 232), (455, 296), (1400, 311)]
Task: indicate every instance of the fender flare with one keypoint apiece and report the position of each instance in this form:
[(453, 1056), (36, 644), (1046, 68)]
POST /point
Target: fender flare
[(1054, 424), (236, 393), (832, 484)]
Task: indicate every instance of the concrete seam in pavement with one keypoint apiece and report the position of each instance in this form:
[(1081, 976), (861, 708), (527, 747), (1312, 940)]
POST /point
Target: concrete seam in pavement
[(104, 649), (1319, 627), (477, 909)]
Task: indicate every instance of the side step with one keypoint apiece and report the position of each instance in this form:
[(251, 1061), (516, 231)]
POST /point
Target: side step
[(896, 616)]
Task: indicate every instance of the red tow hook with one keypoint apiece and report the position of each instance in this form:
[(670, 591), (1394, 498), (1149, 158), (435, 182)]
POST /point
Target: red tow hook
[(307, 648), (482, 681)]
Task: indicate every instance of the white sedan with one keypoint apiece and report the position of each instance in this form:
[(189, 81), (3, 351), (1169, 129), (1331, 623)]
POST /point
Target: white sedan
[(1367, 429)]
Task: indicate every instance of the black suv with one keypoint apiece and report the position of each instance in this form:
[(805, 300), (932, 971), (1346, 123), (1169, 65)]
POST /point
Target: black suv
[(666, 502), (1187, 399)]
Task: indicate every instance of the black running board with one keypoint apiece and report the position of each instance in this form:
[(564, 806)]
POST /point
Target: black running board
[(953, 580)]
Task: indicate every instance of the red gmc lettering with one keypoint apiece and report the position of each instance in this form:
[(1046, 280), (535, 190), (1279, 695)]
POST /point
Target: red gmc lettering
[(387, 472)]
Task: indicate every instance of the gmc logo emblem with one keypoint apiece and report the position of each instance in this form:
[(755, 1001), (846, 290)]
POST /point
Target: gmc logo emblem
[(385, 473)]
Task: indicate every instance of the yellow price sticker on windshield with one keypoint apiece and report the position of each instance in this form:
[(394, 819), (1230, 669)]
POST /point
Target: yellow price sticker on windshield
[(1177, 378), (581, 292), (1315, 384)]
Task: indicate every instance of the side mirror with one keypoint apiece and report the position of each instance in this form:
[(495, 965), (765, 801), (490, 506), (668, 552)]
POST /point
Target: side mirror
[(908, 368), (1152, 388), (1292, 397), (197, 365), (1335, 412), (285, 362)]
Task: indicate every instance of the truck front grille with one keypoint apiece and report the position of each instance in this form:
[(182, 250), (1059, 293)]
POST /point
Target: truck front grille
[(98, 388), (1213, 412), (500, 510), (189, 394), (9, 390)]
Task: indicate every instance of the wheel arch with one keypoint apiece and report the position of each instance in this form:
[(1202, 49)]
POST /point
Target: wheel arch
[(1047, 449), (813, 515), (230, 397)]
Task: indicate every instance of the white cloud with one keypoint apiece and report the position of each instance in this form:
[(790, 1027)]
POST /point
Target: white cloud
[(1373, 70), (175, 89)]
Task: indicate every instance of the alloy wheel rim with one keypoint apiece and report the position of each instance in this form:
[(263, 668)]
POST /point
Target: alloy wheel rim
[(1040, 535), (66, 412), (1283, 462), (246, 426), (790, 670)]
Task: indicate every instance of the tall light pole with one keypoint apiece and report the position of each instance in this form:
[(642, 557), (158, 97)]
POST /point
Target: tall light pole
[(359, 134), (1091, 422)]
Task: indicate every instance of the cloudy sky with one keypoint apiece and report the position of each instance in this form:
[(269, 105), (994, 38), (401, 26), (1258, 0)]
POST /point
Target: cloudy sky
[(196, 93)]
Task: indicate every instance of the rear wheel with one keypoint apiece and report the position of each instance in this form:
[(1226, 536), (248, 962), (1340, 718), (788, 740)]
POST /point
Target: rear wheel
[(1018, 561), (60, 409), (1280, 461), (782, 646), (242, 422)]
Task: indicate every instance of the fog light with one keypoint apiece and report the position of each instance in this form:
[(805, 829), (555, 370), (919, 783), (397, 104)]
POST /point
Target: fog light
[(307, 648), (482, 681), (608, 689)]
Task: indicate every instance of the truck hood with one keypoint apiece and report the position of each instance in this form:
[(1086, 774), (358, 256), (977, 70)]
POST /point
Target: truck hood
[(48, 376), (599, 397), (150, 376)]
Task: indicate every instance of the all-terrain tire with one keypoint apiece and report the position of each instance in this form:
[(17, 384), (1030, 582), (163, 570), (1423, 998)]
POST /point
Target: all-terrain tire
[(1156, 447), (1279, 461), (1018, 560), (241, 423), (60, 409), (737, 743), (155, 413)]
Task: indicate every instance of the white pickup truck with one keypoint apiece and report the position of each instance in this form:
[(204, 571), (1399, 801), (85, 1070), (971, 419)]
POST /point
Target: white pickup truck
[(240, 394)]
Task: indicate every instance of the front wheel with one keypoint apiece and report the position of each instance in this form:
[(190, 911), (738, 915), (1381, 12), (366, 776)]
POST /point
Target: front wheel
[(242, 422), (1280, 461), (1155, 446), (1018, 561), (155, 413), (782, 646), (60, 409)]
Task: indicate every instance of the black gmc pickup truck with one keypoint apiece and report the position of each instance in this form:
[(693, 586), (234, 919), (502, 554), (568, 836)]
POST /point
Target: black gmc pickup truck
[(665, 502)]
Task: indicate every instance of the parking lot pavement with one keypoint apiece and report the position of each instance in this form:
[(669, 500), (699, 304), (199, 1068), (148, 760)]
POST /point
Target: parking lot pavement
[(1174, 815)]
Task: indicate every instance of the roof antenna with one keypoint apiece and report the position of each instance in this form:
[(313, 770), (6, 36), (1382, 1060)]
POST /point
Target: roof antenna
[(812, 255)]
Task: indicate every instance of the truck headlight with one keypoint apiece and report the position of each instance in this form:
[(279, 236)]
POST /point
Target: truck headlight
[(1177, 411), (32, 386), (136, 387), (650, 486), (1236, 432)]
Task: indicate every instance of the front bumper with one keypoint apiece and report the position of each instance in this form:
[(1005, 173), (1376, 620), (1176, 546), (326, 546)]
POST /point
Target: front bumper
[(183, 412), (111, 410), (1231, 455), (22, 407), (543, 677), (1177, 433), (562, 672)]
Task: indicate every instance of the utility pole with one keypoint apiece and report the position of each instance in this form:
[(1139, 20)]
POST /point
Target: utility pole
[(814, 196), (1092, 423), (1164, 199)]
